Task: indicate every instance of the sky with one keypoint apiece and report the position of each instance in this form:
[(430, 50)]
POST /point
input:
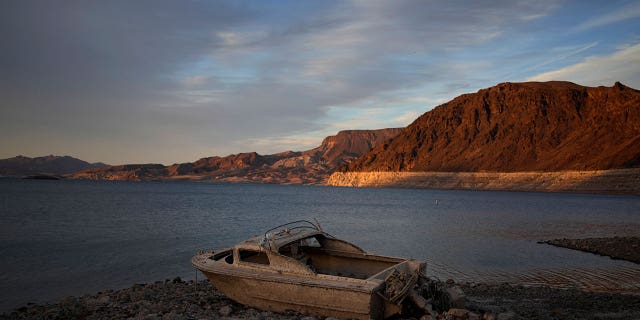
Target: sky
[(174, 81)]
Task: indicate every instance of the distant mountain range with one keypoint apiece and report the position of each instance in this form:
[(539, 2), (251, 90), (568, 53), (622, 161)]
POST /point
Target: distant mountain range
[(21, 166), (304, 167), (515, 127)]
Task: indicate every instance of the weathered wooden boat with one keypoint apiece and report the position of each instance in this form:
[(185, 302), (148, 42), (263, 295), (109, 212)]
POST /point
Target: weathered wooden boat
[(299, 267)]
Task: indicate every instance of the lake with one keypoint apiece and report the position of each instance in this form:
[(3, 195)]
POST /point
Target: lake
[(61, 238)]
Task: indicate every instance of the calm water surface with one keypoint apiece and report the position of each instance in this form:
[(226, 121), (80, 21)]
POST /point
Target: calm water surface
[(60, 238)]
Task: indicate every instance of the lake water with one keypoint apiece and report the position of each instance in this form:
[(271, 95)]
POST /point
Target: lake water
[(60, 238)]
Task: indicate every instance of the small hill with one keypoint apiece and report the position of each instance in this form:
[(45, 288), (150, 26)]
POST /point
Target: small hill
[(350, 144), (21, 166), (515, 127), (302, 167)]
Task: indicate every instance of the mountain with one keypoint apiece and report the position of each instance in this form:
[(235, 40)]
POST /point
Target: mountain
[(49, 165), (303, 167), (515, 127)]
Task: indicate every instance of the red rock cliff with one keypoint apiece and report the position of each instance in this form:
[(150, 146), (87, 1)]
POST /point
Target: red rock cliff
[(533, 126)]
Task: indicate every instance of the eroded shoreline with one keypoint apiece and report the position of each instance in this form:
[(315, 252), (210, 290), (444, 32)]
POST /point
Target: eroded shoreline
[(177, 299), (615, 181)]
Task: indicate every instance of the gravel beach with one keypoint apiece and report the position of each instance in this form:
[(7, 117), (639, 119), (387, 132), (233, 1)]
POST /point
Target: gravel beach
[(177, 299)]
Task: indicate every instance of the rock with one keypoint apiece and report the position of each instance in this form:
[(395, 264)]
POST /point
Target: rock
[(225, 311), (67, 301), (173, 315), (506, 315), (456, 297), (104, 299), (123, 297), (157, 308), (136, 296), (488, 315), (152, 316), (194, 308), (456, 313), (474, 316), (252, 311), (266, 314)]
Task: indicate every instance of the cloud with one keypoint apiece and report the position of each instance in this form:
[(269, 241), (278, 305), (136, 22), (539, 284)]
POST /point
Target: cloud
[(627, 12), (406, 117), (105, 46), (355, 51), (168, 81), (196, 81), (296, 142), (561, 54), (623, 65)]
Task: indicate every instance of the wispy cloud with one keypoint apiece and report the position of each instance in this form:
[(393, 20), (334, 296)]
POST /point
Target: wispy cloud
[(406, 118), (630, 11), (563, 53), (623, 65), (295, 142)]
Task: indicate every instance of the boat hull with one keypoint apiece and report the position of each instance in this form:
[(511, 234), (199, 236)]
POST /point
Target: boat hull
[(303, 269), (281, 294)]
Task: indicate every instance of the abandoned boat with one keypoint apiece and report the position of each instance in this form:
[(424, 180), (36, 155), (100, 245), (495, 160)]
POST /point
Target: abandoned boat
[(299, 267)]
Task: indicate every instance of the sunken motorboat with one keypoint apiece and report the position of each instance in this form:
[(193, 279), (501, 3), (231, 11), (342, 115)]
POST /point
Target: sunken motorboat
[(299, 267)]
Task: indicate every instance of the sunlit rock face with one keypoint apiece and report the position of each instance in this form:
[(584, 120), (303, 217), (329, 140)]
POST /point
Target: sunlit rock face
[(533, 126), (613, 181)]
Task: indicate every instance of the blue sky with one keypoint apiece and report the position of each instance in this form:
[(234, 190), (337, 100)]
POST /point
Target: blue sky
[(174, 81)]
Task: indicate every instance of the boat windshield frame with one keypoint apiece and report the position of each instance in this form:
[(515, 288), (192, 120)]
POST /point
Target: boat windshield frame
[(284, 229), (284, 234)]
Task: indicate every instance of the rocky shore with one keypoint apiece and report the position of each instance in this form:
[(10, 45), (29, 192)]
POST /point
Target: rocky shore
[(622, 248), (177, 299), (518, 302)]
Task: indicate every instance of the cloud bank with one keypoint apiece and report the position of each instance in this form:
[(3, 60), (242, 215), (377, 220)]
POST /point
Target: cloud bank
[(170, 81)]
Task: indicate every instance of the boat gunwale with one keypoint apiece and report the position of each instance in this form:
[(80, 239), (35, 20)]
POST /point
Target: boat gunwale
[(317, 280)]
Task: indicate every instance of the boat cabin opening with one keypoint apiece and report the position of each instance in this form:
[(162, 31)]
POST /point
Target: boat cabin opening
[(253, 256), (334, 257)]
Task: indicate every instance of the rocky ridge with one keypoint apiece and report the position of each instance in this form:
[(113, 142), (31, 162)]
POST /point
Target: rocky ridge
[(514, 127), (533, 136), (303, 167)]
